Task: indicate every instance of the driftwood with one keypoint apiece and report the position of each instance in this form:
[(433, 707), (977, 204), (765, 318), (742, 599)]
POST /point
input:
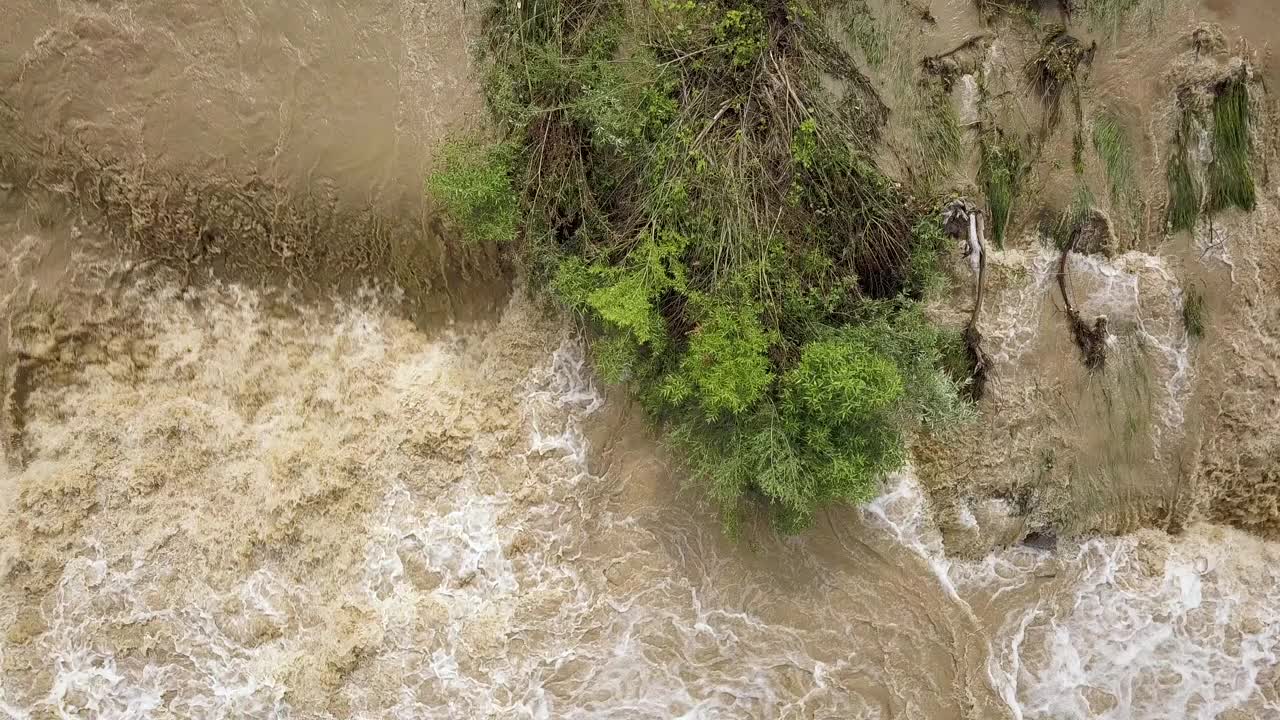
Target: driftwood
[(979, 360), (955, 218)]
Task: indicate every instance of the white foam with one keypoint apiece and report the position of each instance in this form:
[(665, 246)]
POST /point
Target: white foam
[(1015, 328), (1140, 298), (465, 643), (1187, 642), (904, 513), (210, 674), (1130, 646)]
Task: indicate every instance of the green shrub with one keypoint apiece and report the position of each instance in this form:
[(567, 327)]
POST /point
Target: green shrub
[(688, 186), (473, 185), (616, 356), (925, 277), (830, 437), (840, 381), (627, 305), (725, 364)]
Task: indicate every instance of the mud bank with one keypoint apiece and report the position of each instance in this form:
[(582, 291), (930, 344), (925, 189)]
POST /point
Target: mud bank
[(1146, 440)]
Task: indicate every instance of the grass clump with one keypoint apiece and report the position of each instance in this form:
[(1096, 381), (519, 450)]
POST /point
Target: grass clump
[(686, 184), (1193, 312), (1111, 16), (1230, 180), (1066, 227), (474, 186), (938, 136), (1114, 147), (1001, 173), (1025, 10), (1184, 185), (868, 33)]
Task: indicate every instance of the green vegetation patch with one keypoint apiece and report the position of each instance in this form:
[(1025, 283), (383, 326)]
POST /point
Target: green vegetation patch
[(938, 136), (1184, 186), (1230, 180), (868, 33), (695, 178), (1193, 312), (1113, 145), (1227, 182), (1001, 173), (474, 186), (1066, 227), (1112, 16)]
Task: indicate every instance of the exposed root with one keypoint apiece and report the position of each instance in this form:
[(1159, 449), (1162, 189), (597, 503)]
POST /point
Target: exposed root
[(978, 359), (1092, 341)]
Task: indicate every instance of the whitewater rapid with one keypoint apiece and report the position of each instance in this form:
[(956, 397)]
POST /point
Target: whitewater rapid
[(249, 509)]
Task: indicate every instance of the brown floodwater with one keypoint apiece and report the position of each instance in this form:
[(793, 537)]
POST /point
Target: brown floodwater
[(271, 450), (1255, 22)]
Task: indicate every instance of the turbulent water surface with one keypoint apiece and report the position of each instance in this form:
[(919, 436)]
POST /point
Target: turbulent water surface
[(224, 498)]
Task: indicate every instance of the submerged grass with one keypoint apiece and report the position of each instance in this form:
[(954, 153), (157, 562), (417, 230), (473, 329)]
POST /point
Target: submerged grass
[(1024, 10), (687, 184), (868, 33), (1001, 173), (1114, 147), (1066, 228), (938, 138), (1193, 312), (1112, 16), (1184, 187), (1230, 179)]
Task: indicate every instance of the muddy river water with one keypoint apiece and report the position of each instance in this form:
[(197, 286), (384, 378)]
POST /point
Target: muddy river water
[(270, 488)]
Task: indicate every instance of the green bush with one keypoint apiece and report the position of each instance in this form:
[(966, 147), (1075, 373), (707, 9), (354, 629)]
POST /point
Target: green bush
[(725, 365), (474, 186), (839, 381), (688, 186)]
